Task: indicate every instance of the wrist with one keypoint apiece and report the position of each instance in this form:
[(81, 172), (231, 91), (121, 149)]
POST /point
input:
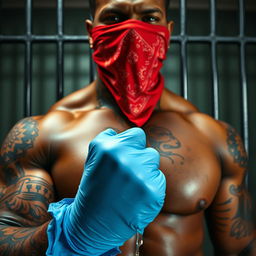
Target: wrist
[(64, 240), (85, 240)]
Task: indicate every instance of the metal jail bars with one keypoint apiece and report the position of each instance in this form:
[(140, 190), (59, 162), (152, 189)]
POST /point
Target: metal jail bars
[(183, 39)]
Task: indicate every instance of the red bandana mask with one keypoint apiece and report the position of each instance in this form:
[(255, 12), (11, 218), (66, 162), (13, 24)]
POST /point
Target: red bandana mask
[(129, 56)]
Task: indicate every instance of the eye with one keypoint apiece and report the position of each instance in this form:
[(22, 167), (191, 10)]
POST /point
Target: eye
[(150, 19), (113, 18)]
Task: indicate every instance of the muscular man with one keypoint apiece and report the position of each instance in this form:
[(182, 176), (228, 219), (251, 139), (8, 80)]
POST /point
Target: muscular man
[(203, 160)]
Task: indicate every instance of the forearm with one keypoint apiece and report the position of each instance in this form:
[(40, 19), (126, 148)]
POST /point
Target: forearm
[(20, 241)]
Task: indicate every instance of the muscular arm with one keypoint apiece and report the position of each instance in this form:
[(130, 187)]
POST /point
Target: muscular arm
[(230, 216), (26, 190)]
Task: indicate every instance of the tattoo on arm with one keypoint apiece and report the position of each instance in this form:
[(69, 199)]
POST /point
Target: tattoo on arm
[(20, 139), (16, 241), (236, 148), (24, 198), (240, 224), (164, 142), (29, 198)]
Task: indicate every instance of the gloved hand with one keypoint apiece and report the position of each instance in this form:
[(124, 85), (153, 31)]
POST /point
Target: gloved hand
[(121, 192)]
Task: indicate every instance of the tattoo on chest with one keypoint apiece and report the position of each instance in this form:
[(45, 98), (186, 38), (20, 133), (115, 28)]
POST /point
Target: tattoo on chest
[(239, 225), (164, 142), (19, 140), (236, 148)]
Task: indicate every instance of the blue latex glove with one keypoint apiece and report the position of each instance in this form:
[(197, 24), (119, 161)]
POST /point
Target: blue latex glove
[(121, 192)]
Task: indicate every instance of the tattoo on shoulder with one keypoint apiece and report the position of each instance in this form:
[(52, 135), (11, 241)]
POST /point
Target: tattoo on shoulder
[(236, 148), (19, 140), (164, 142)]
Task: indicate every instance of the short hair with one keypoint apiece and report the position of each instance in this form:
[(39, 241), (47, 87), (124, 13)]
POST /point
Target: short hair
[(93, 7)]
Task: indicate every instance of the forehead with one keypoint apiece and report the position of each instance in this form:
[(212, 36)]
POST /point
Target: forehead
[(132, 3)]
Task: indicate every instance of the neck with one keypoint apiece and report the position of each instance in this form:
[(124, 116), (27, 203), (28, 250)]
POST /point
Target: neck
[(105, 98)]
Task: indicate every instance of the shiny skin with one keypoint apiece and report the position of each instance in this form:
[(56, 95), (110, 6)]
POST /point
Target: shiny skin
[(193, 183), (203, 176)]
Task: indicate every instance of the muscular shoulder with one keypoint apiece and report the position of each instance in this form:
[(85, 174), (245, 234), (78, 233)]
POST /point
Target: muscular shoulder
[(81, 100), (33, 136), (175, 103), (29, 140), (19, 140), (225, 140)]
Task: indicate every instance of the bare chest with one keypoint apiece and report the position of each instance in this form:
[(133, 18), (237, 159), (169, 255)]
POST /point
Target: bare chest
[(187, 159)]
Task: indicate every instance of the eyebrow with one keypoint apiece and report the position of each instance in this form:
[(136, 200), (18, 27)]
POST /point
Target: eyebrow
[(111, 10), (151, 10), (118, 10)]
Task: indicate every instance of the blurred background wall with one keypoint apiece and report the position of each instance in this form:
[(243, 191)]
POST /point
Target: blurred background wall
[(76, 62)]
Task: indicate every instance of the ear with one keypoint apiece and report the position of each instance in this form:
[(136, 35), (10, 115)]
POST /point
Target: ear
[(170, 26), (89, 25)]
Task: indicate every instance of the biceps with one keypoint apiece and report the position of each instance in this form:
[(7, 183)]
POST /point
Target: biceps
[(232, 210), (26, 199), (230, 216)]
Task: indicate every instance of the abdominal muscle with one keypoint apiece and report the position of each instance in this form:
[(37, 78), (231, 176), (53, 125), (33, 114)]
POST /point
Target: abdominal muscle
[(170, 235)]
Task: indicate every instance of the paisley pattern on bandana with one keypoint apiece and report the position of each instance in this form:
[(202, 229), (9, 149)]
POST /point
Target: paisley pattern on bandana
[(129, 56)]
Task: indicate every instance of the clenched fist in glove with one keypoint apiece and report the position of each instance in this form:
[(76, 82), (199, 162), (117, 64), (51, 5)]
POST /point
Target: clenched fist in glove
[(120, 193)]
